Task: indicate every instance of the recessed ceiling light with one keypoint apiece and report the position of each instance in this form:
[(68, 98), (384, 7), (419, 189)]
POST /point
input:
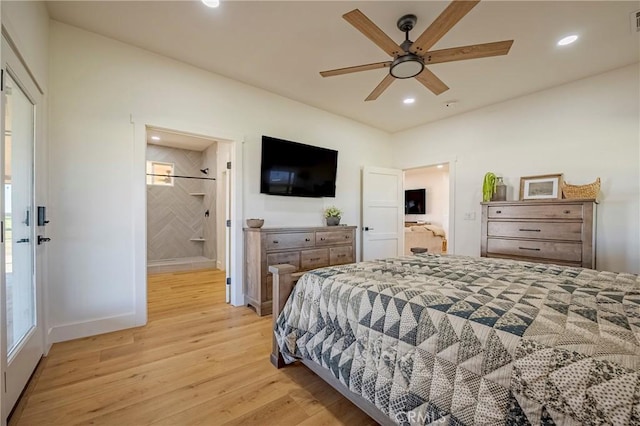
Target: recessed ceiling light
[(567, 40), (409, 100), (155, 138), (440, 166), (211, 3)]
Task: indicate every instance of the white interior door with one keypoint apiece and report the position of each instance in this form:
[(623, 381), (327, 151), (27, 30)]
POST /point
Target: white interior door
[(382, 213), (22, 346)]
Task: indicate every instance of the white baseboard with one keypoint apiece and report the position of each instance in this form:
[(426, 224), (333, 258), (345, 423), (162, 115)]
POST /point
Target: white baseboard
[(219, 265), (62, 333)]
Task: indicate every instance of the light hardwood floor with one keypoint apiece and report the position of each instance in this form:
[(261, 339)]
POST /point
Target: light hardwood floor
[(197, 361)]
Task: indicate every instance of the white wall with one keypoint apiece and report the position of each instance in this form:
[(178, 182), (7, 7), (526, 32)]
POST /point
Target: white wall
[(584, 129), (435, 181), (27, 23), (96, 84)]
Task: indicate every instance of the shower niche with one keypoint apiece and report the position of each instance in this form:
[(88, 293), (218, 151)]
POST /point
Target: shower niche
[(180, 208)]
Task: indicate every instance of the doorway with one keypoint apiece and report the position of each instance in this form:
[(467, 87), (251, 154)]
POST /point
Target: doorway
[(428, 208), (141, 124), (187, 202)]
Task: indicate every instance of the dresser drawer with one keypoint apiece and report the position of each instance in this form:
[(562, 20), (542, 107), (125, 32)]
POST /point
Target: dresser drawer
[(571, 231), (292, 258), (537, 249), (340, 255), (312, 259), (552, 211), (325, 238), (289, 240)]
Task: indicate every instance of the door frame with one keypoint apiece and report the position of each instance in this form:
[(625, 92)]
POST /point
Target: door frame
[(227, 233), (452, 196), (139, 201)]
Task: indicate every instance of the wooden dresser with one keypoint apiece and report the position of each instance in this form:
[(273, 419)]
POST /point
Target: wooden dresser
[(304, 248), (558, 231)]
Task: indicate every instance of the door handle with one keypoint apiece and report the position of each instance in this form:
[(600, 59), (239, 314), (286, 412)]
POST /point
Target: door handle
[(366, 228), (42, 239), (24, 240)]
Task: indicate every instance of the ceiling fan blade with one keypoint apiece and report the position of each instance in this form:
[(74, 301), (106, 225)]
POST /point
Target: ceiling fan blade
[(443, 23), (386, 82), (473, 51), (372, 32), (431, 82), (358, 68)]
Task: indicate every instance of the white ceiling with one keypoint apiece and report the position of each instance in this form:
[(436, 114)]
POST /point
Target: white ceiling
[(178, 140), (281, 47)]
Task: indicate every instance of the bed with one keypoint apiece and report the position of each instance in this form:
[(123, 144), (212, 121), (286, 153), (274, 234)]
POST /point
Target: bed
[(426, 236), (430, 339)]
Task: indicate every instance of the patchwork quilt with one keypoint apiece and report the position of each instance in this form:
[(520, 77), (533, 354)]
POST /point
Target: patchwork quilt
[(458, 340)]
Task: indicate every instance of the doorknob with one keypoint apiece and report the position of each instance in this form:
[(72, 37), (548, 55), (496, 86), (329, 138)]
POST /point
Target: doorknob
[(24, 240)]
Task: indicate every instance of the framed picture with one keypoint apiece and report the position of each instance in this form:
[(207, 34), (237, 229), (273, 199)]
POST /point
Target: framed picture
[(544, 187)]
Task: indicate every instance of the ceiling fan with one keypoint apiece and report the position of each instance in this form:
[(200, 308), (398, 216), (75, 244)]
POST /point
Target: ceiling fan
[(410, 58)]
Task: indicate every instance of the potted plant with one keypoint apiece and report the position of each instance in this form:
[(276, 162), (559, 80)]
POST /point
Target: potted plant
[(332, 215)]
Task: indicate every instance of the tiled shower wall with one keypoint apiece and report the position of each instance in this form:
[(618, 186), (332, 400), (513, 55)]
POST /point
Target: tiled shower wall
[(173, 215)]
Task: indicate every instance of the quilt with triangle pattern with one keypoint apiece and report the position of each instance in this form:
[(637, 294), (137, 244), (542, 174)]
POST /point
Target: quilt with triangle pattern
[(457, 340)]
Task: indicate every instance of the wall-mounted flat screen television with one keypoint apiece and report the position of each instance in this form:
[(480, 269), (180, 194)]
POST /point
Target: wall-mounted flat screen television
[(415, 201), (296, 169)]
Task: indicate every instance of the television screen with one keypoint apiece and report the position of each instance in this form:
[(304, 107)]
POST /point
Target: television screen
[(414, 201), (295, 169)]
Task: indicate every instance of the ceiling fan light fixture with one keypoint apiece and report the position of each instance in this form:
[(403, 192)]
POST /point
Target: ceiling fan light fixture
[(211, 3), (406, 66)]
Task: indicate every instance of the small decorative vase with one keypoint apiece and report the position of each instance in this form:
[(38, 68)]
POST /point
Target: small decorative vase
[(501, 191), (333, 221)]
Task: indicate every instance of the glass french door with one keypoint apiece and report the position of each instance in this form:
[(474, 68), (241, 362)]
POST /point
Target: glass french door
[(23, 344)]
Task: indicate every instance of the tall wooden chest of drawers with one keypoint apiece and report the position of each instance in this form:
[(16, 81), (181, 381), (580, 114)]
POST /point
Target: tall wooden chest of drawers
[(558, 231), (304, 248)]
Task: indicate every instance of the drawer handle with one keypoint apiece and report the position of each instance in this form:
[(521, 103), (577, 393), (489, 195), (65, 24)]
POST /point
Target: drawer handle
[(275, 241), (313, 259), (566, 211), (342, 255), (307, 239), (498, 211), (321, 238), (529, 248), (346, 237), (529, 230)]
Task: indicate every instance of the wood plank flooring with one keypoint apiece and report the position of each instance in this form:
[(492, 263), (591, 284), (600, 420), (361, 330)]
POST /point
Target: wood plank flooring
[(197, 361)]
